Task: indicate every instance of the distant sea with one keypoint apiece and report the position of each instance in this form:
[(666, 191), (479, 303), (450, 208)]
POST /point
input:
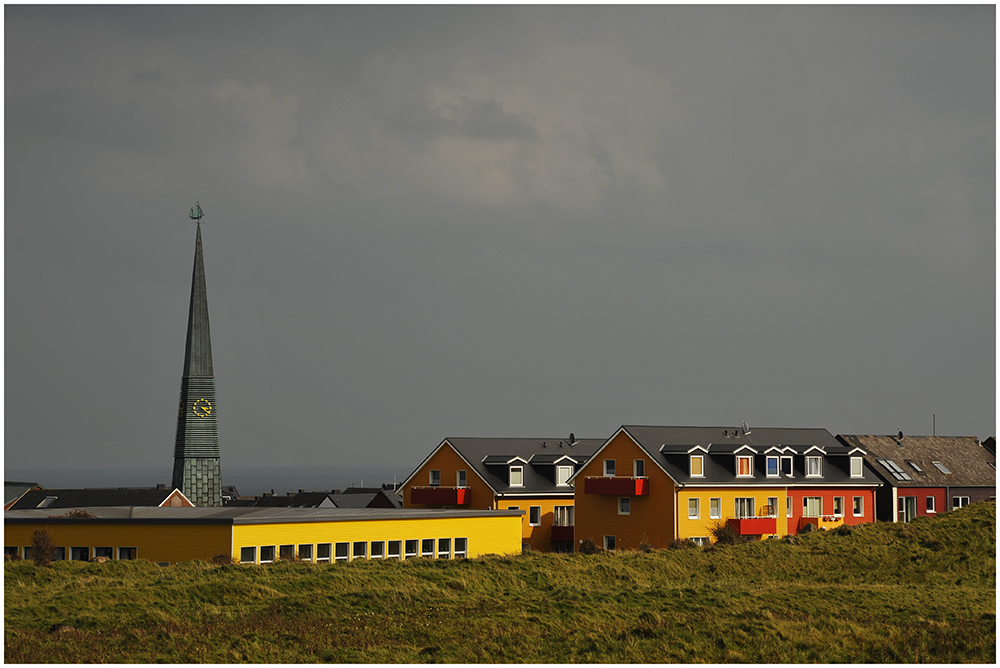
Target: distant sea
[(249, 481)]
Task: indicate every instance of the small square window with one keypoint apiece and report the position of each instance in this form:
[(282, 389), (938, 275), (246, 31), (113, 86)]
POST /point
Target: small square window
[(444, 548), (248, 555), (461, 548), (563, 474), (342, 552), (435, 479), (859, 506), (286, 552), (609, 542), (516, 476), (715, 508), (267, 554), (694, 509), (609, 467), (306, 552), (359, 550), (79, 553), (323, 551), (378, 549), (411, 548), (534, 516), (105, 552), (624, 505), (395, 549), (427, 547), (959, 502), (930, 504)]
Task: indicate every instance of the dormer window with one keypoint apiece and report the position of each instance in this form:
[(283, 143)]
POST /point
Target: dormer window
[(563, 474), (786, 465), (697, 466), (857, 467), (744, 465), (772, 467), (814, 466), (516, 476)]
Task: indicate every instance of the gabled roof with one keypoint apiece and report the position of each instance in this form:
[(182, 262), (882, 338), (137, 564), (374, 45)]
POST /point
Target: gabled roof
[(968, 461), (490, 457), (79, 498), (299, 500), (12, 491)]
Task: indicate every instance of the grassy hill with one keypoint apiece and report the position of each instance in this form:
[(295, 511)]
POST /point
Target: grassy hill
[(919, 592)]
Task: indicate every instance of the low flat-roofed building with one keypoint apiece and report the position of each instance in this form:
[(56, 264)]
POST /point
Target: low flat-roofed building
[(263, 535)]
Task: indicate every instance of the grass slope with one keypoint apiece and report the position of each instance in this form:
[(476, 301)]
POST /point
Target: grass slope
[(919, 592)]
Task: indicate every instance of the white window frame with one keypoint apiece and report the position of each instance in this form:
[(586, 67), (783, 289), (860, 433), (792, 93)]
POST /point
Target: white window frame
[(563, 474), (135, 553), (563, 516), (398, 553), (839, 513), (106, 552), (715, 508), (810, 459), (253, 554), (929, 505), (638, 468), (407, 553), (701, 466), (694, 508), (858, 462), (777, 466), (805, 506), (355, 544), (372, 548), (962, 502), (423, 547), (347, 556), (744, 514), (535, 511), (520, 476), (293, 551), (462, 553), (609, 544), (858, 506), (609, 468), (274, 554), (461, 478), (789, 507), (434, 478), (624, 505), (329, 553), (701, 540), (446, 544), (773, 506), (309, 547), (791, 465), (740, 458)]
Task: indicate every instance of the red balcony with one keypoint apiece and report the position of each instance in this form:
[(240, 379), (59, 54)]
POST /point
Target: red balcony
[(441, 496), (562, 534), (754, 526), (616, 486)]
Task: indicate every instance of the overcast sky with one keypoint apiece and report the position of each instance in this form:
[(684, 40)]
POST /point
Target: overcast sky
[(494, 221)]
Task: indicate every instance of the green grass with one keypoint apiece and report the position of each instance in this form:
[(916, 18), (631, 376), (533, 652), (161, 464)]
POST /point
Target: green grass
[(919, 592)]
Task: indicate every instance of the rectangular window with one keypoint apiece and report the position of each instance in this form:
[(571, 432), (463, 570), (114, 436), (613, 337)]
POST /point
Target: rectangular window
[(61, 554), (812, 506), (697, 466), (378, 549), (306, 552), (715, 508), (323, 551), (286, 552), (624, 505), (513, 507), (427, 547), (772, 467), (959, 502), (786, 465), (248, 555), (930, 504), (563, 474), (29, 552), (267, 553), (342, 552), (639, 468), (461, 548), (788, 506), (609, 542), (106, 552), (11, 551), (857, 467), (79, 553), (859, 506), (516, 476), (701, 540), (694, 509), (395, 549), (744, 508), (461, 478), (435, 479), (359, 550), (411, 548), (609, 467), (814, 466), (444, 548), (534, 516), (563, 516), (772, 506), (744, 465), (838, 506)]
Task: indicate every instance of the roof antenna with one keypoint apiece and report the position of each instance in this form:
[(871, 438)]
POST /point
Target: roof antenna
[(572, 438), (746, 428)]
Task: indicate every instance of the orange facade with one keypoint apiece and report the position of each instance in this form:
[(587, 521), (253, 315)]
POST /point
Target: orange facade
[(537, 536), (448, 463), (650, 518)]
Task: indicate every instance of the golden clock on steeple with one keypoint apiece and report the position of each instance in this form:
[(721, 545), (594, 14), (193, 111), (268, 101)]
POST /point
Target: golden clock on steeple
[(202, 407)]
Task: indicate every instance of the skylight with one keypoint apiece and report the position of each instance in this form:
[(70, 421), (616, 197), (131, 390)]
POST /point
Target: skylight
[(915, 466), (942, 468), (894, 468)]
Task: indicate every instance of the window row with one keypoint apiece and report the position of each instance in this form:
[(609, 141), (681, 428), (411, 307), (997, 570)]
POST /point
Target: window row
[(638, 468), (440, 548), (775, 466), (76, 553), (515, 476), (743, 508)]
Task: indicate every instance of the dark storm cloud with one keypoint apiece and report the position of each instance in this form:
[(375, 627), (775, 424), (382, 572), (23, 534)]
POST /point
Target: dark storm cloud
[(424, 221)]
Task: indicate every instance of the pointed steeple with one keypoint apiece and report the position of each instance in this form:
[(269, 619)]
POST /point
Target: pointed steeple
[(197, 470)]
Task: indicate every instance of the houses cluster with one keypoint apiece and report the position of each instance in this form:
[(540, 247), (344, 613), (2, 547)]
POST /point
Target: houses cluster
[(643, 487)]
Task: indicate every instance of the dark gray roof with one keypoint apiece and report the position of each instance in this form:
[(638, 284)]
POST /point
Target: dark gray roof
[(241, 515), (967, 460), (12, 491), (78, 498), (489, 456), (299, 500), (669, 447)]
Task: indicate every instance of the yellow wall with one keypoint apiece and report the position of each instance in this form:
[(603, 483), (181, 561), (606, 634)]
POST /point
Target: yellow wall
[(497, 534), (688, 528), (538, 538), (154, 542)]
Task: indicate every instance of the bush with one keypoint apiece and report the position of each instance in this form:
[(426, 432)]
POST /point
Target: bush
[(588, 547), (223, 559), (724, 534), (43, 549), (682, 544)]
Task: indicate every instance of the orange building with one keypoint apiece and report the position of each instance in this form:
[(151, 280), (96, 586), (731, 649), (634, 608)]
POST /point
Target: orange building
[(527, 474)]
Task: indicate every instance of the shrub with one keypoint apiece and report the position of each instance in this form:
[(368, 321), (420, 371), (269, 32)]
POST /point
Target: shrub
[(43, 549), (223, 559), (682, 544), (588, 547), (75, 514), (843, 530), (724, 534)]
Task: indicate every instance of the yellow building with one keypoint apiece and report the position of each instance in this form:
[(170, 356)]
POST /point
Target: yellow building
[(263, 535)]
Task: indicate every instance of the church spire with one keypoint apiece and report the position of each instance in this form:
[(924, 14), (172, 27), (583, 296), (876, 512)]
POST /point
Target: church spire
[(196, 447)]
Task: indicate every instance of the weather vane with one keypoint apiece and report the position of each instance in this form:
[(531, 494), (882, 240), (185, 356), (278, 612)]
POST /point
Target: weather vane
[(196, 213)]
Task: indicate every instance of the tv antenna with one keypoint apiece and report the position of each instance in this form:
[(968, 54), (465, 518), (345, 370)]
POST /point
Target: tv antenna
[(196, 213)]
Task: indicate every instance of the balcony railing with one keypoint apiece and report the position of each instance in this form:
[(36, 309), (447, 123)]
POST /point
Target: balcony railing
[(562, 534), (441, 496), (616, 486), (754, 526)]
